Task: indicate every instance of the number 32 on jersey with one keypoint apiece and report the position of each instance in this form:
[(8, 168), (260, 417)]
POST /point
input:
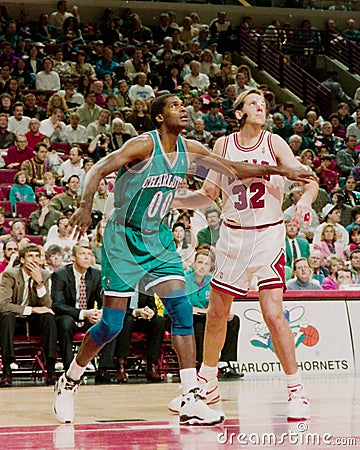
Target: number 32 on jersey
[(248, 196)]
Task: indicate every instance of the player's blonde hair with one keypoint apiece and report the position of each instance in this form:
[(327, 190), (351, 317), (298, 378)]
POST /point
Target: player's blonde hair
[(239, 102)]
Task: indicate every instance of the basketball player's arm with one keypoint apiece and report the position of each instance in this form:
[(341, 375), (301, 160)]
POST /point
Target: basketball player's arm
[(134, 150), (214, 161), (209, 191), (286, 158)]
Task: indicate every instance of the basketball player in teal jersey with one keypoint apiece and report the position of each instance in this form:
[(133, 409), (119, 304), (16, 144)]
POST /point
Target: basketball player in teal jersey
[(137, 246)]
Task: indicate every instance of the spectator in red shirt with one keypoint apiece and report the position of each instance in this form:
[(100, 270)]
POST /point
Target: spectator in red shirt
[(33, 135), (18, 153), (11, 253), (337, 128), (327, 177), (49, 188), (333, 166)]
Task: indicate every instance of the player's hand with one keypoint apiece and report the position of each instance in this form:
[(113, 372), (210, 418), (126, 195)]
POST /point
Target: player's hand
[(302, 214), (300, 173), (80, 222)]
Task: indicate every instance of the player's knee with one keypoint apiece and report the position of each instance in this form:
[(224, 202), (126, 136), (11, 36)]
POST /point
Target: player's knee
[(108, 327), (216, 317), (274, 318), (180, 310)]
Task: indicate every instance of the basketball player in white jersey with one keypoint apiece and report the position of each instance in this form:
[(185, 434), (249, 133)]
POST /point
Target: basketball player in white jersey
[(251, 243)]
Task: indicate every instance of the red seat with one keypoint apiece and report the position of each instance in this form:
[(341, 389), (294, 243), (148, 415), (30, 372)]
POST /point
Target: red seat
[(38, 240), (84, 146), (7, 176), (5, 189), (7, 206), (78, 336), (168, 361), (138, 336), (61, 147), (24, 209), (8, 221), (85, 48), (29, 351), (51, 49)]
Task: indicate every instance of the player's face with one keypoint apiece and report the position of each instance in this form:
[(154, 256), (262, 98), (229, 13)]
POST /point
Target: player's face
[(174, 113), (255, 108)]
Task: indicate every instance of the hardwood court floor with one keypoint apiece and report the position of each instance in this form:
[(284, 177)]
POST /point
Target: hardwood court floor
[(135, 416)]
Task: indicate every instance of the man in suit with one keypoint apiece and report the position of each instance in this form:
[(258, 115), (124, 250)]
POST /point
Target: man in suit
[(25, 307), (75, 290), (296, 247)]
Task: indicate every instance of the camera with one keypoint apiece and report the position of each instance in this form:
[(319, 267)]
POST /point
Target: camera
[(102, 139)]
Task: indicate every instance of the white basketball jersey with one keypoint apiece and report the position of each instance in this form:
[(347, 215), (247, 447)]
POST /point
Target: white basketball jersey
[(252, 203)]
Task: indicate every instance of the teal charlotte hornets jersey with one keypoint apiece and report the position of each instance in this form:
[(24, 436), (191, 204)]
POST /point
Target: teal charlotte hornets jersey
[(144, 192)]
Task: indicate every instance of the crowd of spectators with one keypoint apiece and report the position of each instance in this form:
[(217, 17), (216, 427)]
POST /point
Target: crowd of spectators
[(72, 93)]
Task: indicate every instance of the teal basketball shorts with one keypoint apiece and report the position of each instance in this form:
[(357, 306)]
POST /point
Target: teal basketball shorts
[(129, 256)]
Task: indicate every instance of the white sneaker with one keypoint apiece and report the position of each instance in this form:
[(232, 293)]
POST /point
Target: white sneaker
[(298, 406), (65, 393), (194, 410), (209, 389)]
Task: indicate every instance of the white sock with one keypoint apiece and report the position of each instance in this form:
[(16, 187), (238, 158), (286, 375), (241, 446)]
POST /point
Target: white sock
[(207, 372), (188, 379), (75, 371), (294, 383)]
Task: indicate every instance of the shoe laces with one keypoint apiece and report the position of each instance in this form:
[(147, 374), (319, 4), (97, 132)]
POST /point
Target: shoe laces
[(297, 393), (70, 384), (198, 393)]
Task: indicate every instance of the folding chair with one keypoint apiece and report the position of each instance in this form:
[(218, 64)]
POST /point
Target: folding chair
[(168, 361), (29, 356)]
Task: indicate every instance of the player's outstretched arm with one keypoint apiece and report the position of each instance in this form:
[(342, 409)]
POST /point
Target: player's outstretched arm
[(200, 154), (287, 159), (134, 150)]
